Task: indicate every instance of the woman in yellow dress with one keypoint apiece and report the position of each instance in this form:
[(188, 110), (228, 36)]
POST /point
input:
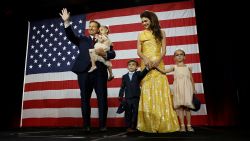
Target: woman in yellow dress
[(156, 113)]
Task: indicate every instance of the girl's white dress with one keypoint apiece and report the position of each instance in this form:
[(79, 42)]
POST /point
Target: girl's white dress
[(182, 87)]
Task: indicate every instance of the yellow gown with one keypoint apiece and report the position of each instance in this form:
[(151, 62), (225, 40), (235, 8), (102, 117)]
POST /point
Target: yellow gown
[(156, 113)]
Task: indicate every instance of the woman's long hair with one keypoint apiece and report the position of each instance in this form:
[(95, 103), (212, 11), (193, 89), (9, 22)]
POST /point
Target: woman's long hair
[(155, 25)]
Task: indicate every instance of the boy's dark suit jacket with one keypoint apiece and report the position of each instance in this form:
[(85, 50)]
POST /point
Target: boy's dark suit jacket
[(132, 87)]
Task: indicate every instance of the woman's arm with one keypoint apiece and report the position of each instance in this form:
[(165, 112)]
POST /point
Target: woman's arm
[(166, 70), (140, 54)]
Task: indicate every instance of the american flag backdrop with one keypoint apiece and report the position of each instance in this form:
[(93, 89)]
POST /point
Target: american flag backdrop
[(51, 96)]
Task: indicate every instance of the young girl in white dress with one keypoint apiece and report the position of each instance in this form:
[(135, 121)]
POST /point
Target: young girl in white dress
[(183, 89), (102, 42)]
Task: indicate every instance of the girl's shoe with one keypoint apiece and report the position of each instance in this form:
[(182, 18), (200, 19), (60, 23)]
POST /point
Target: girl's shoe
[(92, 68), (189, 128), (182, 129)]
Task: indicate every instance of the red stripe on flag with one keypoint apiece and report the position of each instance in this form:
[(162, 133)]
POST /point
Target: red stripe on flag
[(199, 120), (139, 9), (78, 122), (177, 40), (181, 40), (51, 85), (65, 103), (201, 97), (64, 122)]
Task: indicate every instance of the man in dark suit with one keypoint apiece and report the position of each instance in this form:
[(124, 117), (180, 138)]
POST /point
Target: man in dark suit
[(97, 79), (131, 86)]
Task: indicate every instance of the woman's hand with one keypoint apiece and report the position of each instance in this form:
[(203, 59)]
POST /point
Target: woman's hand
[(147, 62), (156, 63)]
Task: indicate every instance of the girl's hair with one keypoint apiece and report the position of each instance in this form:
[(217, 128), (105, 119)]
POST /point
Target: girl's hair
[(155, 25), (105, 26), (181, 51)]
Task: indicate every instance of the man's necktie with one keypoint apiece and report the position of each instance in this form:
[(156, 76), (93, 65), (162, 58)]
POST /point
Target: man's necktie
[(93, 42)]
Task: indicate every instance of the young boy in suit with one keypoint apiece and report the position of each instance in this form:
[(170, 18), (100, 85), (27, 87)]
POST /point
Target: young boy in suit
[(131, 87)]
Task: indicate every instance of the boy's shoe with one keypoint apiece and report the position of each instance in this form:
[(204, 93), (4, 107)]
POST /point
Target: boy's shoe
[(103, 129), (86, 129), (130, 130)]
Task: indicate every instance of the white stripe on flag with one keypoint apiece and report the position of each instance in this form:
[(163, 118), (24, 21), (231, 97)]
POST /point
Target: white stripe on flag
[(65, 112), (42, 77)]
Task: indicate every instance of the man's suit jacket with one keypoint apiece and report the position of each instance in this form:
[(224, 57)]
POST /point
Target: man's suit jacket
[(84, 43), (132, 87)]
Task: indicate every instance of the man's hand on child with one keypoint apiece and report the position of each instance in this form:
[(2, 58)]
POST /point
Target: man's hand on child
[(101, 52)]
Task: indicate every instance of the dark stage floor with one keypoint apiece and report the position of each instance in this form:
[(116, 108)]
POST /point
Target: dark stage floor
[(114, 134)]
